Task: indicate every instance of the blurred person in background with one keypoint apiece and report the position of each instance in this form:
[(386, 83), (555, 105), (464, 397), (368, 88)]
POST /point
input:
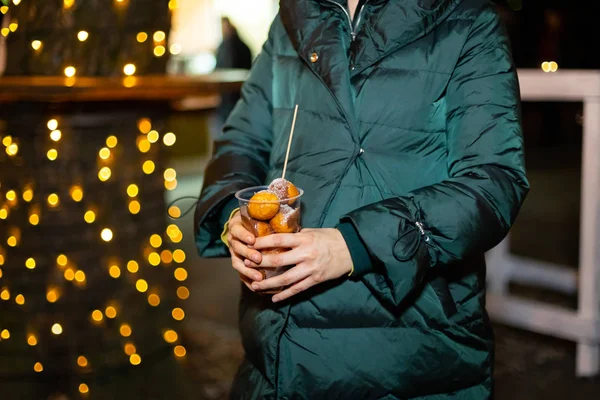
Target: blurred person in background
[(409, 149), (231, 53)]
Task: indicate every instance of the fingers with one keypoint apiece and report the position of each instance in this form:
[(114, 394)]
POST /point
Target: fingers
[(244, 251), (283, 240), (238, 231), (238, 264), (278, 260), (286, 279), (294, 290), (246, 281)]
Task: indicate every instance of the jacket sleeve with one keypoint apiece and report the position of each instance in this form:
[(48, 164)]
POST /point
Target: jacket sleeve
[(472, 210), (241, 155)]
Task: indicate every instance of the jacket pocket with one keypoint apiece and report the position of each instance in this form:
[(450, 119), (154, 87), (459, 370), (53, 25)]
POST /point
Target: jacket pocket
[(441, 290)]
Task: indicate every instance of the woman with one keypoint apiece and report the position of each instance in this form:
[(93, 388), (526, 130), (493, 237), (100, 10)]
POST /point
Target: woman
[(408, 146)]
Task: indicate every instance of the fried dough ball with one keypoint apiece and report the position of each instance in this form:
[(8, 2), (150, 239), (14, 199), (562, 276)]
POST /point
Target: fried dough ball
[(286, 220), (284, 189), (263, 205), (257, 228)]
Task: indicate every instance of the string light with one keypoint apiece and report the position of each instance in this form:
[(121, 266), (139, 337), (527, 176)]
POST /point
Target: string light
[(129, 348), (12, 149), (69, 274), (80, 276), (174, 212), (97, 316), (111, 312), (70, 71), (166, 256), (104, 153), (125, 330), (36, 44), (129, 69), (52, 124), (30, 263), (38, 367), (114, 271), (549, 66), (155, 241), (183, 293), (34, 219), (141, 285), (55, 135), (135, 359), (52, 154), (89, 216), (57, 329), (142, 37), (83, 388), (159, 51), (104, 174), (20, 299), (5, 294), (82, 361), (132, 190), (170, 174), (32, 340), (144, 125), (178, 314), (148, 167), (153, 136), (11, 195), (76, 193), (7, 140), (5, 334), (172, 230), (112, 141), (52, 295), (4, 32), (3, 212), (170, 336), (68, 3), (82, 36), (169, 139), (62, 260), (154, 259), (179, 256), (28, 194), (159, 36), (53, 200), (134, 207), (144, 145), (3, 9), (180, 274), (16, 2), (179, 351), (12, 241), (13, 26), (173, 5), (106, 235), (175, 49), (154, 300), (133, 267), (178, 238)]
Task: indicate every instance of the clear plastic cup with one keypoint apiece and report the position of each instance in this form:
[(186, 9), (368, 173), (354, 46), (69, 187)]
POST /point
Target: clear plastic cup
[(269, 217)]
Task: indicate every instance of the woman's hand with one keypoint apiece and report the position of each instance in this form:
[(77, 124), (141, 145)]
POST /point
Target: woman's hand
[(319, 255), (240, 240)]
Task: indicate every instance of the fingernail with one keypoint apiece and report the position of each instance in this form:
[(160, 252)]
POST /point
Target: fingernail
[(255, 286), (275, 299), (256, 258), (258, 277), (249, 239)]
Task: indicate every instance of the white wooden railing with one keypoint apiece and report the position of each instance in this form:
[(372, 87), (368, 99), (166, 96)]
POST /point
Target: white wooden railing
[(582, 325)]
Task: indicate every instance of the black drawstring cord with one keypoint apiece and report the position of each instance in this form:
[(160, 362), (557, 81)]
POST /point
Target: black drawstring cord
[(171, 204)]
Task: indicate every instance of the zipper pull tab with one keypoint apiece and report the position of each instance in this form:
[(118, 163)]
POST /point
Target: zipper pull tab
[(353, 36)]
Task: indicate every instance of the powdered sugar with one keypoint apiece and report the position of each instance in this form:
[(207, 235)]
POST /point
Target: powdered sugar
[(279, 186)]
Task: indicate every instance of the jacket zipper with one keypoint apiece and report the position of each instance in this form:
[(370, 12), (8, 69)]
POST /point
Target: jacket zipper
[(353, 27)]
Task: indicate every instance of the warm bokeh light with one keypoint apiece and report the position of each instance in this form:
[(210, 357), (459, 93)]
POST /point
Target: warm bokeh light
[(132, 190), (76, 193), (153, 300), (83, 388), (52, 124), (148, 167), (13, 26), (111, 312), (5, 334), (32, 340), (183, 293), (114, 271), (38, 367), (36, 44), (30, 263), (169, 139), (68, 3), (97, 315), (56, 135), (155, 241), (82, 361), (7, 140), (129, 69), (175, 48), (80, 276), (12, 149), (69, 274), (166, 256), (170, 336), (106, 235), (104, 153), (134, 207), (133, 266), (159, 36), (104, 174), (112, 141), (141, 285), (179, 351), (144, 145), (144, 125), (154, 259), (172, 230), (178, 238), (170, 174), (180, 274), (20, 299), (34, 219), (135, 359), (52, 295), (12, 241), (125, 330), (174, 212), (153, 136), (11, 195), (52, 154), (3, 212), (142, 37), (28, 195), (89, 216), (129, 348), (57, 329), (159, 51), (70, 71), (62, 260), (53, 200), (82, 36), (5, 294), (179, 256), (178, 314)]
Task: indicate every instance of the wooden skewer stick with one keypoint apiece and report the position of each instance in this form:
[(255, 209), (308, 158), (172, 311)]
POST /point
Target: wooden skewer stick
[(287, 154)]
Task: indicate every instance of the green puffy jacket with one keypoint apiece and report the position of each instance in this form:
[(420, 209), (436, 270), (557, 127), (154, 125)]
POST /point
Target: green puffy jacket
[(408, 130)]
